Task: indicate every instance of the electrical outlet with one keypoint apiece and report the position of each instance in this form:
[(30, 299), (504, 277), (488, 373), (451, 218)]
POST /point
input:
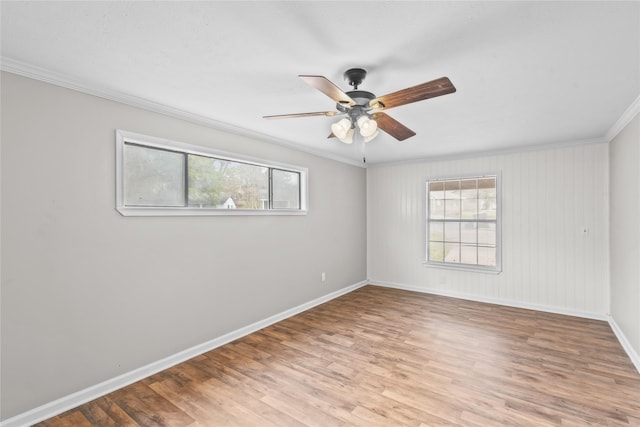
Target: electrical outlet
[(323, 277)]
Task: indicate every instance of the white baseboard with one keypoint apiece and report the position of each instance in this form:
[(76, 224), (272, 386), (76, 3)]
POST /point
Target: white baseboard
[(626, 345), (499, 301), (73, 400)]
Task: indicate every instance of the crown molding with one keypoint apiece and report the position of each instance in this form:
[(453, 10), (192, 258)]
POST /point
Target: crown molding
[(38, 73), (497, 152), (624, 120)]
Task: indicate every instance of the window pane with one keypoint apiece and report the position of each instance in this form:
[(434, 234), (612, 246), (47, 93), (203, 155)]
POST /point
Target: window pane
[(436, 189), (487, 208), (437, 209), (153, 177), (486, 233), (469, 254), (487, 182), (487, 256), (436, 230), (436, 199), (469, 232), (452, 209), (452, 252), (468, 184), (222, 184), (452, 189), (452, 232), (205, 185), (487, 187), (469, 188), (286, 189), (436, 251), (487, 198), (451, 185), (469, 209)]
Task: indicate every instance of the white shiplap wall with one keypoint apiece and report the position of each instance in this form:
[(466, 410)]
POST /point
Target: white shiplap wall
[(548, 198)]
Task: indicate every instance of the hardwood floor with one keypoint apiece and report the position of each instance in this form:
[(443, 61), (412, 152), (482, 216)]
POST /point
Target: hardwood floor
[(385, 357)]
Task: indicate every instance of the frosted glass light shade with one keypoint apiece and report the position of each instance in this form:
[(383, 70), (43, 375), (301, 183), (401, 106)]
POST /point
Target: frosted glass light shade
[(367, 126), (348, 138), (370, 137), (341, 128)]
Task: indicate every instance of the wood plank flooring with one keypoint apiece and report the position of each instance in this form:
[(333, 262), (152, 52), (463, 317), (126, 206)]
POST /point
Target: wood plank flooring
[(385, 357)]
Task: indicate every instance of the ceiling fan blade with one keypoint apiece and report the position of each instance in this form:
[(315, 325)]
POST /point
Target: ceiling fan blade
[(438, 87), (392, 126), (325, 86), (288, 116)]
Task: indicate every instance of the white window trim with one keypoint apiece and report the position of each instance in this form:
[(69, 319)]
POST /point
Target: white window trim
[(465, 267), (123, 137)]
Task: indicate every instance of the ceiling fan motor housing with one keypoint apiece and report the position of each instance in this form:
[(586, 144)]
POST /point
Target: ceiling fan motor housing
[(362, 106)]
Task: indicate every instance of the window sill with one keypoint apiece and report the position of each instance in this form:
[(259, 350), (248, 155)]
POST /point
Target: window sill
[(151, 211), (464, 267)]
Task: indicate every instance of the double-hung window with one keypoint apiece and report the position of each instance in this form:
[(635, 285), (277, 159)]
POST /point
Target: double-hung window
[(161, 177), (463, 223)]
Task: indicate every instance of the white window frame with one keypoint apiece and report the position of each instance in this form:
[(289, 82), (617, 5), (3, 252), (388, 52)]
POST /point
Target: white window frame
[(497, 269), (123, 137)]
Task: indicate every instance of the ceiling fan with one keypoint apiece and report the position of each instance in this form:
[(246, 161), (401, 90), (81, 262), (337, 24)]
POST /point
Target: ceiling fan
[(364, 110)]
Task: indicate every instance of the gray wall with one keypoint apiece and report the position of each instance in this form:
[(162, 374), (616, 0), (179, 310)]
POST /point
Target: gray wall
[(624, 169), (88, 294)]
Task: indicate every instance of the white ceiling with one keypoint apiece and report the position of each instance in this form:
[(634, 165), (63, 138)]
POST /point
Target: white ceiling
[(526, 73)]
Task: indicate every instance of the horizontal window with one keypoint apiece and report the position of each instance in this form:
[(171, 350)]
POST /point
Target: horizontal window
[(160, 177), (463, 225)]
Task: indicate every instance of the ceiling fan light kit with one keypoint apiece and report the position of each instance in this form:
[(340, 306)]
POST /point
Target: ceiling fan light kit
[(364, 110)]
